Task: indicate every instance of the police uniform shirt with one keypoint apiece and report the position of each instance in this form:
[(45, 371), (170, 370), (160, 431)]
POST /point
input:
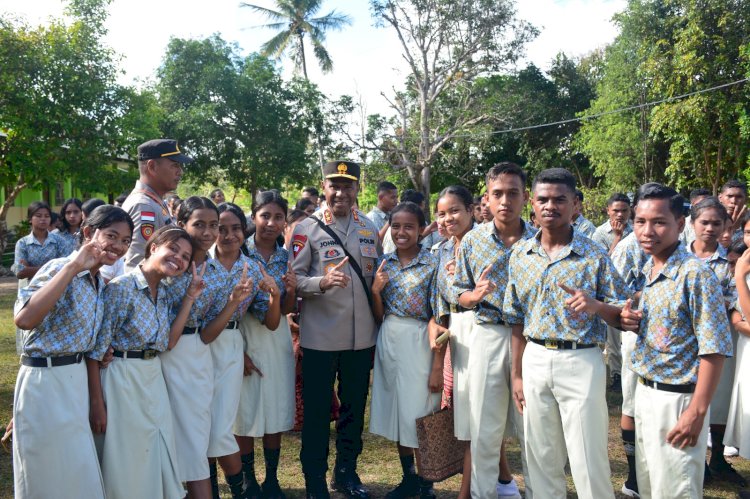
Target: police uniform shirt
[(339, 318), (149, 213)]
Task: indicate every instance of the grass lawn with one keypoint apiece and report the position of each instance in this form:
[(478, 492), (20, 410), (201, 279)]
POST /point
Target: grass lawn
[(378, 466)]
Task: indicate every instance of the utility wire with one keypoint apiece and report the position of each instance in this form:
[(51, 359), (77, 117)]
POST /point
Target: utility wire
[(604, 113)]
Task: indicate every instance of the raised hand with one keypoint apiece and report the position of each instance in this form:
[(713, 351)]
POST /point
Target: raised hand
[(580, 301), (90, 254), (268, 283), (450, 267), (197, 284), (484, 286), (290, 280), (736, 216), (630, 320), (742, 267), (243, 289), (335, 277), (380, 280)]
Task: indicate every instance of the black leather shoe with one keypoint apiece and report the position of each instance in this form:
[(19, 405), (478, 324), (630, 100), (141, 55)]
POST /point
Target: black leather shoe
[(315, 488), (346, 481)]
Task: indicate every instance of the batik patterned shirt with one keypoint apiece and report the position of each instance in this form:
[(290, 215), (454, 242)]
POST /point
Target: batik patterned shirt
[(682, 320), (73, 323), (535, 299), (629, 259), (720, 265), (132, 319), (276, 267), (605, 236), (35, 253), (479, 249), (70, 241), (584, 226), (408, 292), (209, 303)]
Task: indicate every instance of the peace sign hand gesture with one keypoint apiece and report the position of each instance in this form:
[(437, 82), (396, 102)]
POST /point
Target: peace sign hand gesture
[(89, 255), (290, 280), (268, 284), (484, 286), (381, 279), (243, 288), (197, 284)]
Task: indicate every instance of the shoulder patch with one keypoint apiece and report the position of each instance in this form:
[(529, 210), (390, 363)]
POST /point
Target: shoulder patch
[(298, 242), (147, 230), (148, 216)]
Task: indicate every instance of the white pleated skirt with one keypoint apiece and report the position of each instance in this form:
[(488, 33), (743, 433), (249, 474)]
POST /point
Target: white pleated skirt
[(138, 453), (189, 373), (267, 403), (461, 324), (226, 351), (737, 433), (53, 448), (400, 386)]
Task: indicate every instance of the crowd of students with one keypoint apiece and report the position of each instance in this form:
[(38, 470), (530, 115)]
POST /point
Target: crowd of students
[(136, 384)]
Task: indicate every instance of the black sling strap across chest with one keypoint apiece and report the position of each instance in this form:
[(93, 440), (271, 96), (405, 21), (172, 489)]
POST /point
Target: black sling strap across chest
[(352, 262)]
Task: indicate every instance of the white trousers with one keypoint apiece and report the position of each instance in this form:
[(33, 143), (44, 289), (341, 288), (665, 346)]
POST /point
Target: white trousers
[(566, 408), (663, 471), (629, 377), (488, 374)]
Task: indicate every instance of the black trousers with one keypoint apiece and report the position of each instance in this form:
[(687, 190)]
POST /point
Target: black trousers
[(319, 371)]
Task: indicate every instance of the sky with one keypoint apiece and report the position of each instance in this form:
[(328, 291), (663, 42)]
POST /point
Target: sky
[(367, 59)]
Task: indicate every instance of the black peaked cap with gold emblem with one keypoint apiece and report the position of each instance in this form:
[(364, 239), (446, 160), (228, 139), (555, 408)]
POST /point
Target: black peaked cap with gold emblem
[(162, 148), (341, 169)]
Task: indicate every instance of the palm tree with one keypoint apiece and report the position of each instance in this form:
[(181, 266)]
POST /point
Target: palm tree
[(295, 19)]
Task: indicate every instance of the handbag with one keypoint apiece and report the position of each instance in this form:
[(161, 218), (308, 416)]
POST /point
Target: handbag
[(440, 454)]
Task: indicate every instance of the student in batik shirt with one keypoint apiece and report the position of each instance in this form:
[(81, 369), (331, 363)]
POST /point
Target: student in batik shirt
[(683, 338), (561, 286), (267, 400), (60, 312), (480, 281), (188, 368), (39, 247), (407, 375), (709, 219), (71, 218), (130, 409)]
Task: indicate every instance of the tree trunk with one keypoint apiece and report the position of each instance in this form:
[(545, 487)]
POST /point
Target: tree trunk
[(11, 197), (300, 36)]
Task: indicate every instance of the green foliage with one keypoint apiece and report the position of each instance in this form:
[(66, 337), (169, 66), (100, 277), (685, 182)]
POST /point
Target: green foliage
[(236, 116)]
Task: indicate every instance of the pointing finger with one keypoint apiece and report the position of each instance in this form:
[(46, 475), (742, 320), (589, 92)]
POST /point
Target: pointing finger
[(339, 265), (244, 272), (382, 264), (486, 273), (567, 289)]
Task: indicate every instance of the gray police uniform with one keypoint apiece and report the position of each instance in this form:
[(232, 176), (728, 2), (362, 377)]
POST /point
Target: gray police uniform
[(149, 213), (337, 334)]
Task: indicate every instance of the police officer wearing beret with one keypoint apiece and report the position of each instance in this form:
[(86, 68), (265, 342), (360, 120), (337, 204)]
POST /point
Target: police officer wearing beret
[(160, 166), (337, 328)]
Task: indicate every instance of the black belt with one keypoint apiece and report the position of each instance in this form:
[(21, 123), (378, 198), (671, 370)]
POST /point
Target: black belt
[(191, 330), (457, 308), (232, 325), (137, 354), (63, 360), (690, 388), (561, 344)]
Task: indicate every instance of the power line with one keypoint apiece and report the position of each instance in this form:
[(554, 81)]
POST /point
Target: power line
[(604, 113)]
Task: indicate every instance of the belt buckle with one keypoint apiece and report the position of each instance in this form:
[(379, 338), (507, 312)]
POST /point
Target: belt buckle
[(149, 354), (550, 344)]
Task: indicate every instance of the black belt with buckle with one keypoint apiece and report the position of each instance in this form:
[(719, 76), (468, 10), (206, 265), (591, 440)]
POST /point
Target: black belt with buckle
[(457, 308), (232, 325), (63, 360), (664, 387), (191, 330), (137, 354), (561, 344)]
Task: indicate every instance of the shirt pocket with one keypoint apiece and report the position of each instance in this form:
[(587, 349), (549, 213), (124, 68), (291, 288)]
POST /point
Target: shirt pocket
[(577, 321), (329, 257), (661, 323)]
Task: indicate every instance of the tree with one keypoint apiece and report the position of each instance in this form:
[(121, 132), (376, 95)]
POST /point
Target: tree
[(294, 19), (235, 115), (60, 108), (446, 45)]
